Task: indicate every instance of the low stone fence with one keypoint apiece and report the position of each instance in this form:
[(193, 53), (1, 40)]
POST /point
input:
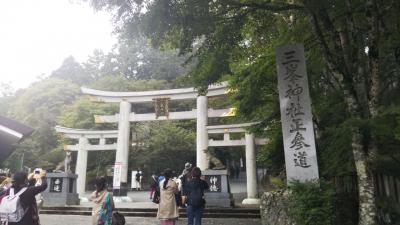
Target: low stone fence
[(274, 208)]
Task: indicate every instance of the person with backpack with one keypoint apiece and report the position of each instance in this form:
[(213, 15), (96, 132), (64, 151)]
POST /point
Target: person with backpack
[(194, 197), (168, 211), (102, 211), (18, 204)]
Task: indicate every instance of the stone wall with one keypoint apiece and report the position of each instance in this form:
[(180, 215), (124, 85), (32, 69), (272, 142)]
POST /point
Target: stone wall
[(274, 208)]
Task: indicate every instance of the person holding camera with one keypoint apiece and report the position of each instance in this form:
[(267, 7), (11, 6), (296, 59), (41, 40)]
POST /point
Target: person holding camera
[(26, 192)]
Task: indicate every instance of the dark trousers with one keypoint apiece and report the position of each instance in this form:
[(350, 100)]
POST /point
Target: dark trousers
[(194, 215)]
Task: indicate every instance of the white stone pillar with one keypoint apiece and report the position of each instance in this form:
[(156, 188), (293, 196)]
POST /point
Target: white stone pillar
[(202, 135), (81, 166), (251, 172), (123, 139)]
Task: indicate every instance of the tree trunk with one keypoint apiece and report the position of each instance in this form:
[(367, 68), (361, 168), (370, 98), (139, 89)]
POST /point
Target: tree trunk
[(366, 188), (355, 106)]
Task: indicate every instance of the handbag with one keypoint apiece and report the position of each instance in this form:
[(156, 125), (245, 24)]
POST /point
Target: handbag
[(118, 219), (156, 197), (178, 199)]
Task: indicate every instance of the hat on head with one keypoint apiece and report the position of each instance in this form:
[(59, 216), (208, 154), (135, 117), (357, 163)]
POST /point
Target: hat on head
[(188, 165)]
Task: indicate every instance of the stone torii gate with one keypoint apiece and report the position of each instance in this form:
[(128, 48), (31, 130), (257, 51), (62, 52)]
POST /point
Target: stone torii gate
[(249, 141), (83, 146), (125, 116)]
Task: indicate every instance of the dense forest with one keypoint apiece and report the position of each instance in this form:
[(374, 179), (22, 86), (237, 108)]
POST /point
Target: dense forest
[(353, 62)]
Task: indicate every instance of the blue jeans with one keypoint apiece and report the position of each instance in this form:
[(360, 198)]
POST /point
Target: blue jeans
[(194, 215)]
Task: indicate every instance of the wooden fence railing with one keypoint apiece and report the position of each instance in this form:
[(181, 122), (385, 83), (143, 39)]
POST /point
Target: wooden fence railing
[(387, 186)]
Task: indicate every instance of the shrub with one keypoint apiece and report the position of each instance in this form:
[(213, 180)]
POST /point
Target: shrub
[(311, 203)]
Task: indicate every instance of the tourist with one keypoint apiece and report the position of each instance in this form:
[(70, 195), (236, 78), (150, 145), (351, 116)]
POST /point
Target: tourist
[(186, 174), (168, 211), (138, 180), (153, 185), (5, 183), (37, 182), (194, 197), (160, 178), (184, 178), (20, 182), (102, 211), (186, 170)]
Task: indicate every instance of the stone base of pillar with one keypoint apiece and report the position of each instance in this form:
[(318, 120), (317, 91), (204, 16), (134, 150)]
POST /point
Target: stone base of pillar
[(83, 199), (123, 191), (61, 191), (251, 201), (119, 199), (219, 194)]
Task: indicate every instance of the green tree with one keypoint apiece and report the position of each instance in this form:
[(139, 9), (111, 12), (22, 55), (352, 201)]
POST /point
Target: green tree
[(352, 49), (39, 107), (163, 145), (72, 71), (136, 59)]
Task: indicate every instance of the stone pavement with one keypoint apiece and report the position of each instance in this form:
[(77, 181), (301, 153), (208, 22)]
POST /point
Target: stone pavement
[(86, 220), (141, 199)]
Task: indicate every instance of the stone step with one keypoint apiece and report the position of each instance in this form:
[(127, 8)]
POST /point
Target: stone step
[(152, 212), (212, 210)]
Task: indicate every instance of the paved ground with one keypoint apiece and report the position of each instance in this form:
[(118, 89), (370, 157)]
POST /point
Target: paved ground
[(85, 220), (141, 199)]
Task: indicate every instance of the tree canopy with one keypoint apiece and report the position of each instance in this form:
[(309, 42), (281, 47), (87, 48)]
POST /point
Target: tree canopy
[(352, 55)]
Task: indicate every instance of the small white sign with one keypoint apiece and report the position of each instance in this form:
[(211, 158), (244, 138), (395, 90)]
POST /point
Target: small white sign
[(117, 175), (296, 117), (134, 183)]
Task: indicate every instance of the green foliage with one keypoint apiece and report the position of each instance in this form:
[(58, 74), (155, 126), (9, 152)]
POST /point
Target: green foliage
[(136, 59), (386, 127), (311, 203), (166, 145), (272, 155), (80, 114), (39, 107), (121, 83), (72, 71)]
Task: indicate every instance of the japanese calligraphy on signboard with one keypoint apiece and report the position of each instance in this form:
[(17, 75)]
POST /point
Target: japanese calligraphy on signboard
[(295, 106), (117, 175), (161, 107), (214, 183), (56, 185)]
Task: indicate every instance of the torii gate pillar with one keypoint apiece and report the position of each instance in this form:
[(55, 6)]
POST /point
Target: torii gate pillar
[(202, 160), (251, 172), (122, 153), (81, 166)]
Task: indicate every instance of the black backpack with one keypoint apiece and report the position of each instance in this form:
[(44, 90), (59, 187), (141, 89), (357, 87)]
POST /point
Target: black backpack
[(196, 194), (118, 219)]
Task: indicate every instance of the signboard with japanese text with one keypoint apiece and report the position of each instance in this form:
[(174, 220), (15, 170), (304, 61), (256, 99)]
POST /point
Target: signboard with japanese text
[(56, 185), (214, 183), (295, 107), (117, 175)]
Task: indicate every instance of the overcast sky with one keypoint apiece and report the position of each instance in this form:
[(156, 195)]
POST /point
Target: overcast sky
[(37, 35)]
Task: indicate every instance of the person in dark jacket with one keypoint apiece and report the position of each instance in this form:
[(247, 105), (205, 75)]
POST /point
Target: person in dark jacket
[(194, 197), (27, 198)]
